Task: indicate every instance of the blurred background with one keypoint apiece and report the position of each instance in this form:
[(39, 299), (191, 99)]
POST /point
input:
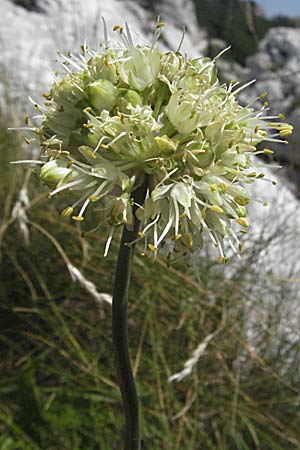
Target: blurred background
[(240, 322)]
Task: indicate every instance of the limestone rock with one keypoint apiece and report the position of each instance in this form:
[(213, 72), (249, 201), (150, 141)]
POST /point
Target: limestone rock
[(31, 31)]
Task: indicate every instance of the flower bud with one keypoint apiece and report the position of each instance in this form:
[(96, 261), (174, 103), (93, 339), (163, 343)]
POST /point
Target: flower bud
[(128, 98), (167, 145), (53, 172), (102, 95)]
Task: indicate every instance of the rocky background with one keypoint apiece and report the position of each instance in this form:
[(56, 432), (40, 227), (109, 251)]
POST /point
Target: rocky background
[(57, 387)]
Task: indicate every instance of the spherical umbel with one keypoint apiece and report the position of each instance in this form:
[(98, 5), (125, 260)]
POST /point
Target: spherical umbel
[(132, 111)]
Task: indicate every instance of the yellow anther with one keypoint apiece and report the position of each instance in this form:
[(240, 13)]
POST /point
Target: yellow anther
[(177, 236), (116, 27), (241, 200), (243, 222), (160, 25), (78, 218), (188, 239), (223, 259), (285, 132), (69, 164), (141, 234), (93, 198), (281, 116), (260, 175), (67, 212), (223, 187), (263, 95), (265, 203), (266, 104), (104, 146), (274, 182), (91, 154), (217, 209), (268, 151), (26, 120), (213, 187), (152, 247), (252, 174), (244, 231)]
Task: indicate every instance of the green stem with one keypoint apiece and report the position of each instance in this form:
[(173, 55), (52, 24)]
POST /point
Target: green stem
[(119, 329)]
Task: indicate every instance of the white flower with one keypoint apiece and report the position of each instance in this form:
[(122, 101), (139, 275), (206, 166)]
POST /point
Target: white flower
[(140, 67), (182, 111)]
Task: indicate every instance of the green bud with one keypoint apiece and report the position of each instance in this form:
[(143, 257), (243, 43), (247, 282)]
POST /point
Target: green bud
[(92, 139), (206, 158), (102, 95), (166, 144), (126, 98), (52, 173)]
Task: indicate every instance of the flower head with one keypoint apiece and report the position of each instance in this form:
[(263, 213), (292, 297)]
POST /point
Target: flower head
[(131, 112)]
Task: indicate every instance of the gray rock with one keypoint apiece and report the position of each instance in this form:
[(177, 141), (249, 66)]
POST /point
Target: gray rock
[(29, 37), (276, 67)]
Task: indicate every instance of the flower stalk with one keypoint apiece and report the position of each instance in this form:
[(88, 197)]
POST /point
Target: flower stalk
[(119, 327)]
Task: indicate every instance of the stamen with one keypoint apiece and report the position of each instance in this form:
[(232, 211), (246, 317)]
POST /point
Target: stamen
[(108, 242), (151, 224), (181, 40), (84, 206), (66, 186)]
